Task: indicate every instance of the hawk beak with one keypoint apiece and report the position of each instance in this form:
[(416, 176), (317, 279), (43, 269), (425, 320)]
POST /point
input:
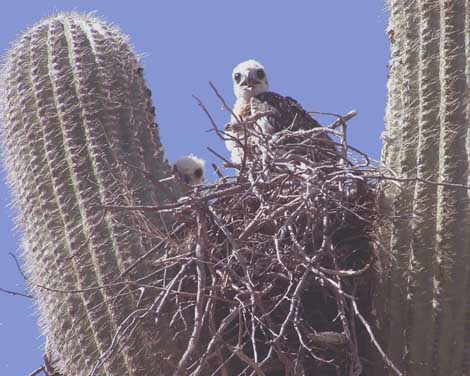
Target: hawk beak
[(249, 81)]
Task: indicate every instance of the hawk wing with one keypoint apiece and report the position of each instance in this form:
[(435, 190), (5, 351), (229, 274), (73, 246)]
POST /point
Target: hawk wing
[(287, 113)]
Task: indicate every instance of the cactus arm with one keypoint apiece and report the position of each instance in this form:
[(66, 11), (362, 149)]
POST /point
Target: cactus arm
[(425, 297), (77, 117)]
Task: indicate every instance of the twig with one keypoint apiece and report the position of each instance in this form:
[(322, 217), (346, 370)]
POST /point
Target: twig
[(182, 202), (38, 371), (149, 252), (421, 180), (16, 293), (211, 119), (364, 322), (328, 338), (217, 337), (200, 301), (18, 267), (222, 100), (154, 179), (220, 156), (156, 208), (249, 121), (238, 352), (341, 118), (217, 171)]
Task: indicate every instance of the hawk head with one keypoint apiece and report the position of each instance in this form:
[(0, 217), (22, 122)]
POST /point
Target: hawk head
[(249, 79), (189, 170)]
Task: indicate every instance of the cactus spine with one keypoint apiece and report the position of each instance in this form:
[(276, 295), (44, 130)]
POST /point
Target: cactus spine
[(425, 309), (77, 120)]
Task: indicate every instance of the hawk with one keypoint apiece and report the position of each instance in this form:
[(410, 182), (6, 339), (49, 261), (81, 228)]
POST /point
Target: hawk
[(189, 171), (251, 88)]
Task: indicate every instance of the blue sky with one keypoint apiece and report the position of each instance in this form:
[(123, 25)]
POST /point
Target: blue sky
[(329, 55)]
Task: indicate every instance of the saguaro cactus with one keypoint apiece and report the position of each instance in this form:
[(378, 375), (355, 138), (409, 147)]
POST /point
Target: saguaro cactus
[(425, 315), (78, 130)]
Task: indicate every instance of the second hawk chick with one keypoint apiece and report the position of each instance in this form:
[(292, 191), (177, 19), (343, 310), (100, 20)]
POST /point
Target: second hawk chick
[(189, 171)]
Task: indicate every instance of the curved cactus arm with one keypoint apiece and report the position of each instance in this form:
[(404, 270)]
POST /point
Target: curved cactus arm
[(425, 300), (78, 129)]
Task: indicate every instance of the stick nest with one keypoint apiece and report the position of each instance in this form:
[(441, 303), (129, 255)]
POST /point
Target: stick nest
[(272, 268)]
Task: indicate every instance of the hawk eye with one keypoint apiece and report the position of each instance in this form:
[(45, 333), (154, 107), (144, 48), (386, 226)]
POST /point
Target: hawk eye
[(260, 74), (237, 77), (198, 172)]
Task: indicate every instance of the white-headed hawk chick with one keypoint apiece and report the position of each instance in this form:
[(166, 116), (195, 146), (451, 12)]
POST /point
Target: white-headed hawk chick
[(189, 171), (251, 87)]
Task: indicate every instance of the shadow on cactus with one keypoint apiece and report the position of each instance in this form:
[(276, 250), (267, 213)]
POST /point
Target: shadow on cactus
[(269, 272)]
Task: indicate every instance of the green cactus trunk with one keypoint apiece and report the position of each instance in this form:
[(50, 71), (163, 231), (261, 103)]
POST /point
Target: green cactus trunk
[(78, 129), (425, 299)]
